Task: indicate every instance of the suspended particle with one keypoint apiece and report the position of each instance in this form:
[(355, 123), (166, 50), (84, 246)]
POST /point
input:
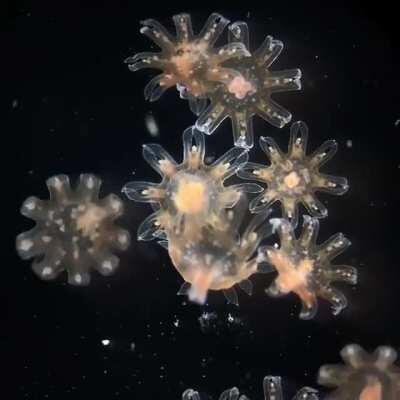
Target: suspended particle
[(249, 92), (294, 177), (74, 230), (152, 126), (305, 268)]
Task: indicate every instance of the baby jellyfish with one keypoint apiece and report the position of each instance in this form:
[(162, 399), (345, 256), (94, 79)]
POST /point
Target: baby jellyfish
[(305, 268), (365, 376), (294, 177), (191, 194), (74, 230), (249, 91), (187, 61), (218, 259)]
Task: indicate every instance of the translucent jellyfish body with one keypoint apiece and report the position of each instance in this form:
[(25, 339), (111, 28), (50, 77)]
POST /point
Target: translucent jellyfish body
[(273, 390), (305, 268), (249, 92), (188, 60), (294, 177), (192, 194), (74, 230), (364, 376), (218, 259)]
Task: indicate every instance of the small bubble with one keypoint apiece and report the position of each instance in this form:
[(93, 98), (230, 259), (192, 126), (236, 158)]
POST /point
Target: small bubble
[(152, 125)]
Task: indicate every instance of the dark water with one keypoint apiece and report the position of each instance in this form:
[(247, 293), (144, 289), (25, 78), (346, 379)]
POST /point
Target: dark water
[(74, 107)]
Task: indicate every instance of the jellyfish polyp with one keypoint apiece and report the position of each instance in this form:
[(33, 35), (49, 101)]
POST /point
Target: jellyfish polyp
[(198, 218), (365, 376), (187, 60), (74, 230), (191, 194), (293, 178), (305, 268), (218, 259), (250, 91)]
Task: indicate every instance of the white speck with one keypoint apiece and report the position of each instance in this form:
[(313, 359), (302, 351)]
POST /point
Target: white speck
[(105, 342), (14, 103), (107, 265), (78, 278), (276, 223), (47, 271), (115, 204), (151, 125), (123, 238), (176, 323), (90, 182), (230, 318), (133, 346), (25, 244), (56, 182), (349, 143), (397, 123), (30, 205)]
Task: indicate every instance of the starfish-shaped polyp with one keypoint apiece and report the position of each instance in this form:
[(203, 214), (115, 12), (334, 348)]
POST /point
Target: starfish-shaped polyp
[(365, 376), (249, 92), (305, 268), (189, 61), (294, 177)]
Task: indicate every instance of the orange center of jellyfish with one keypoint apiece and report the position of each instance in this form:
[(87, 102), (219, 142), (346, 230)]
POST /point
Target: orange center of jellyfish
[(292, 278), (188, 57), (89, 219), (190, 197), (240, 87), (291, 180), (373, 391)]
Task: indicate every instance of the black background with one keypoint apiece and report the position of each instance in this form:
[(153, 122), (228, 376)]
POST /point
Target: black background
[(72, 106)]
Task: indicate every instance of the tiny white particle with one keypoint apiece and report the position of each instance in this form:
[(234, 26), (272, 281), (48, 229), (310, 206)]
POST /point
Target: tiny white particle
[(46, 239), (25, 244), (56, 182), (107, 264), (349, 143), (105, 342), (115, 204), (151, 125), (122, 238), (78, 278), (30, 205), (90, 182), (47, 271)]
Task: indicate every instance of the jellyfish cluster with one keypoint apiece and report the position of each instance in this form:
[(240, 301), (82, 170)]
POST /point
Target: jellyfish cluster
[(366, 376), (214, 218), (236, 82)]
